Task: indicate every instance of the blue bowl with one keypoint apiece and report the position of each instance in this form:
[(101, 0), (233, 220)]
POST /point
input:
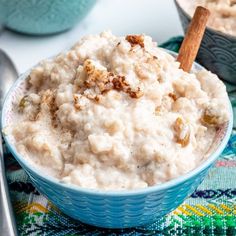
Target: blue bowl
[(114, 209), (218, 50), (43, 16)]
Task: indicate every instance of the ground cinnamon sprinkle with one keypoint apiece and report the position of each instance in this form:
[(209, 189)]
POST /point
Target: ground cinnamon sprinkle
[(135, 94), (76, 104), (95, 77), (53, 109), (97, 98), (103, 81), (173, 96), (119, 83), (135, 39), (49, 98)]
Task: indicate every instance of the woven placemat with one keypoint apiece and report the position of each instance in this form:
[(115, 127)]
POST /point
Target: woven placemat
[(210, 210)]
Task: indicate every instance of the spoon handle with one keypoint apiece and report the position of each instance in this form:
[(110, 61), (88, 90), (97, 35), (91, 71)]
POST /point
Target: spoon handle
[(7, 218)]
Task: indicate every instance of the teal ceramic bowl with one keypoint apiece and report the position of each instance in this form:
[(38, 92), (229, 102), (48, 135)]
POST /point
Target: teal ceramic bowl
[(43, 16), (218, 50), (114, 209)]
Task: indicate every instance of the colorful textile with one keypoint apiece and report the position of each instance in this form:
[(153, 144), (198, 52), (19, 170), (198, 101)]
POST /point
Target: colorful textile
[(210, 210)]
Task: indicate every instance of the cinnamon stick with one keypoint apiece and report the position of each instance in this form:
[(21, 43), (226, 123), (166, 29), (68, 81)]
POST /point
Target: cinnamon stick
[(191, 43)]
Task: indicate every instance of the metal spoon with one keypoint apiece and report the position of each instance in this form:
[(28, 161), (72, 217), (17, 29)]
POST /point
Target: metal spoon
[(8, 75)]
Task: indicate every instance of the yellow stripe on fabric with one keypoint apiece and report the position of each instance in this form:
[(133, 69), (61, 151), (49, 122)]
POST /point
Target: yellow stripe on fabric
[(39, 207), (234, 209), (176, 212), (216, 209), (180, 208), (194, 210), (33, 208), (226, 208), (203, 208)]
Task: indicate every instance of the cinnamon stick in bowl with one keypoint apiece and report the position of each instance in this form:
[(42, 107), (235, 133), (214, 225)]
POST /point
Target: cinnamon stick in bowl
[(191, 43)]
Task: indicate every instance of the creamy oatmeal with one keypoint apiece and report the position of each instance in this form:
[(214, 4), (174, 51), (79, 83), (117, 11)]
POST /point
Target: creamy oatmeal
[(117, 113), (223, 13)]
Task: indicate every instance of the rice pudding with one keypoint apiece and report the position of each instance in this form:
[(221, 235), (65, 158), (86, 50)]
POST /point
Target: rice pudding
[(223, 13), (117, 113)]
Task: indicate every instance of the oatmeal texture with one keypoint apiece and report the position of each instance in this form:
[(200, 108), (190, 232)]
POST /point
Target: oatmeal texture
[(223, 13), (117, 113)]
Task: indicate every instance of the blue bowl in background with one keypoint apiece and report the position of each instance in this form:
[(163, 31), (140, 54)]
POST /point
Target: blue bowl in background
[(218, 50), (114, 209), (42, 17)]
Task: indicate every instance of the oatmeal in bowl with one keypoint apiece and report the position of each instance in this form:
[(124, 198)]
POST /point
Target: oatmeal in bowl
[(118, 107), (113, 133)]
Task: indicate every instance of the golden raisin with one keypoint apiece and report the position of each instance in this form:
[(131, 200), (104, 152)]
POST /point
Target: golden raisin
[(23, 102), (182, 132), (209, 120)]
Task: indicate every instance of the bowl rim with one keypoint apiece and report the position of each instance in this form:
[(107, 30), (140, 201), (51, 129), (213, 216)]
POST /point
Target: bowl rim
[(29, 167), (211, 29)]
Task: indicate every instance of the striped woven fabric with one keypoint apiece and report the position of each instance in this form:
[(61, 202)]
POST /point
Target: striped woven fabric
[(210, 210)]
